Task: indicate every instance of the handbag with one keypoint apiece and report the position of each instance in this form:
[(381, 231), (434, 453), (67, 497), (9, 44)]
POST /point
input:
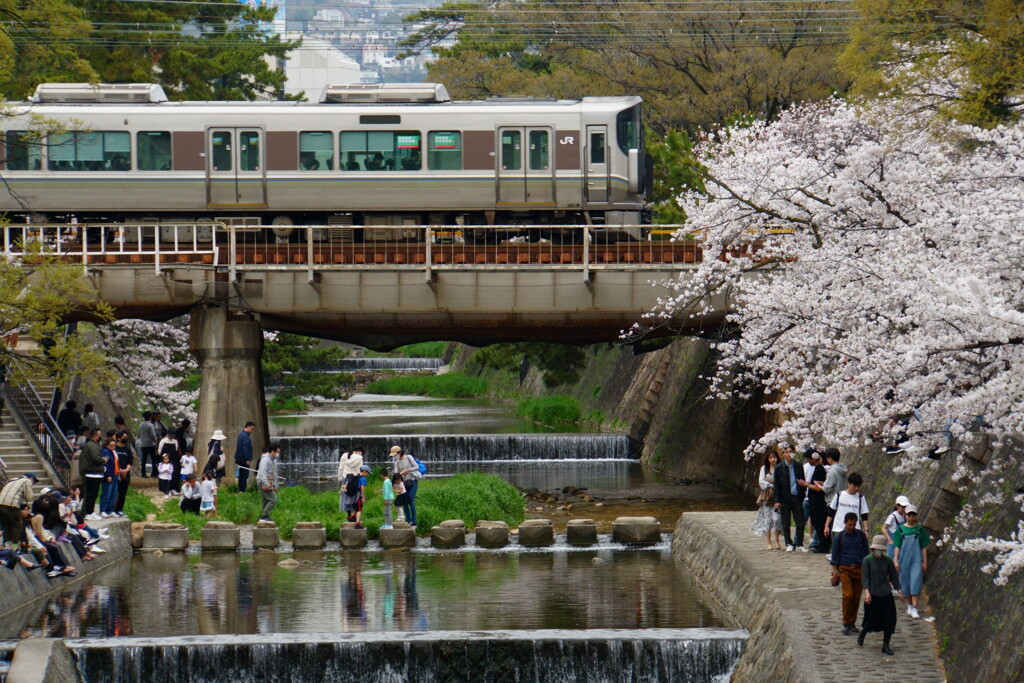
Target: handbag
[(764, 497)]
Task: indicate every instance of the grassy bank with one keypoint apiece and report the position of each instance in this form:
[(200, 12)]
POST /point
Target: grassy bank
[(469, 497), (550, 410), (450, 385)]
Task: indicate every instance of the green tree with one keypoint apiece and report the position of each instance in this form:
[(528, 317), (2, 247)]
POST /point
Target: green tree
[(558, 363), (965, 58), (37, 44), (298, 363)]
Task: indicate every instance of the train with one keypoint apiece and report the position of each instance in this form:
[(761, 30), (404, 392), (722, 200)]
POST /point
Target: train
[(363, 161)]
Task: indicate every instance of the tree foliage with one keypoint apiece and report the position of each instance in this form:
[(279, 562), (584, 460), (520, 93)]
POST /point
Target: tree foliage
[(202, 50), (298, 363), (558, 363)]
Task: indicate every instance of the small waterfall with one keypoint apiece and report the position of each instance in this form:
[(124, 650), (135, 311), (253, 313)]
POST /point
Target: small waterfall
[(463, 447), (697, 655), (385, 363)]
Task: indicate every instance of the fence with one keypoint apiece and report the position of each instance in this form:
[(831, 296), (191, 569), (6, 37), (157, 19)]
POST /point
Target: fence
[(23, 400)]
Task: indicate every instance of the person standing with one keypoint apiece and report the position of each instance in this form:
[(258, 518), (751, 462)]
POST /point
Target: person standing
[(69, 419), (125, 460), (266, 479), (243, 454), (388, 493), (110, 476), (147, 444), (168, 447), (91, 464), (349, 463), (183, 436), (215, 456), (850, 500), (911, 541), (407, 466), (768, 520), (89, 417), (835, 480), (880, 578), (789, 496), (897, 517), (815, 497), (849, 548), (14, 496)]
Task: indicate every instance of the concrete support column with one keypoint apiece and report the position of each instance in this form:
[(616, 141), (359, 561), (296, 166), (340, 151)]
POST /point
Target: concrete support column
[(228, 348)]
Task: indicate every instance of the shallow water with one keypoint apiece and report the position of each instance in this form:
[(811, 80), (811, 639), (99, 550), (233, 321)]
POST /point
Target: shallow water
[(363, 592)]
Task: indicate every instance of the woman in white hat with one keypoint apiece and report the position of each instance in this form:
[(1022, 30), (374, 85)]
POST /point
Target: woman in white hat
[(215, 460), (892, 522), (879, 576)]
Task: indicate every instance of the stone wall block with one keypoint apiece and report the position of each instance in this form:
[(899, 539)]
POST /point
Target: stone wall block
[(398, 538), (266, 537), (351, 537), (581, 532), (220, 536), (491, 534), (165, 539), (636, 530), (535, 533), (308, 537), (448, 536)]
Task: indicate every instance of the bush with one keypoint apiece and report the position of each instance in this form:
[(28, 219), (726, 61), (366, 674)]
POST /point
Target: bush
[(422, 350), (449, 385), (550, 409), (286, 402)]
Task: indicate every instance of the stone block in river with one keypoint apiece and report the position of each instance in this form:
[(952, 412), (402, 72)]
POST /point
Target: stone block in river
[(173, 538), (398, 538), (449, 534), (308, 536), (491, 534), (266, 536), (581, 532), (351, 537), (535, 533), (636, 530), (220, 536)]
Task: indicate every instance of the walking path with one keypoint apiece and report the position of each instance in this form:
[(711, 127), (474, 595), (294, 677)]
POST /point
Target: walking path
[(793, 615)]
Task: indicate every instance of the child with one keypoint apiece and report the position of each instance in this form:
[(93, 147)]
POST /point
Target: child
[(364, 470), (401, 497), (388, 491), (165, 469), (188, 465), (879, 577), (190, 495), (208, 495)]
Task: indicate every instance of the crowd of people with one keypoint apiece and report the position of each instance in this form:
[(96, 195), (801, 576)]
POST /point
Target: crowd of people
[(824, 499), (398, 486), (41, 532)]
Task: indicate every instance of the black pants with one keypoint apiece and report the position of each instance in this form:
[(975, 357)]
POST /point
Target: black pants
[(148, 453), (190, 505), (92, 490), (10, 518), (54, 555), (243, 478), (818, 515), (122, 492), (792, 505)]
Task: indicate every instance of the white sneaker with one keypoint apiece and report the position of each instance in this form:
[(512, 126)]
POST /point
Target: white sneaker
[(914, 614), (93, 517), (910, 609), (789, 548), (96, 549), (104, 515), (804, 549)]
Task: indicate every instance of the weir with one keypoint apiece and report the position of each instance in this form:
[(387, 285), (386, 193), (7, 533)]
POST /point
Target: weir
[(397, 364), (697, 655), (463, 447)]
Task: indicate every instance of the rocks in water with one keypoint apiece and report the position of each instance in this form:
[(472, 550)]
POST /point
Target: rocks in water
[(308, 525), (309, 535), (350, 537), (266, 535), (448, 534), (165, 536), (290, 563), (201, 566), (490, 534), (398, 538), (220, 536), (636, 530), (137, 533), (581, 532), (535, 533)]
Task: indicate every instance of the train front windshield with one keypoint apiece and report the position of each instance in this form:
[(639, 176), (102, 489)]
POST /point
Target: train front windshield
[(629, 129)]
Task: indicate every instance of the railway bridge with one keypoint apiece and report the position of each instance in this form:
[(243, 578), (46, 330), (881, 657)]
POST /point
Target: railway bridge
[(397, 286)]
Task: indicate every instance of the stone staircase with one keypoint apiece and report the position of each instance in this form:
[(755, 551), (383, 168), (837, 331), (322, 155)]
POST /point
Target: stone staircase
[(19, 456)]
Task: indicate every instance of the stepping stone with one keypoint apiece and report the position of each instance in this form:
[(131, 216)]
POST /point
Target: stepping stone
[(636, 531), (491, 534), (449, 534), (351, 537), (166, 537), (535, 533), (266, 535), (219, 536), (309, 535), (398, 538), (581, 532)]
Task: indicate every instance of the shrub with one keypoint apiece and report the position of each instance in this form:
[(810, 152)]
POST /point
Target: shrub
[(550, 409), (449, 385), (423, 350), (286, 402)]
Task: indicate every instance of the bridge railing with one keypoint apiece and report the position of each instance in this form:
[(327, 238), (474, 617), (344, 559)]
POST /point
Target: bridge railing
[(30, 408), (334, 247)]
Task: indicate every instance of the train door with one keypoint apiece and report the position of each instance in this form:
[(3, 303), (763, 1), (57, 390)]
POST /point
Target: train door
[(235, 168), (525, 171), (597, 164)]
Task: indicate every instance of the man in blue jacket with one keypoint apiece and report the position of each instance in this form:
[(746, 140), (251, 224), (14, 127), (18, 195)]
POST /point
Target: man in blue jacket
[(243, 454)]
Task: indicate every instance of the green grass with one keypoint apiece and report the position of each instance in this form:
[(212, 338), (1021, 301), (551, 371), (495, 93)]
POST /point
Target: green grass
[(449, 385), (469, 497), (550, 409), (137, 506), (285, 401), (433, 349)]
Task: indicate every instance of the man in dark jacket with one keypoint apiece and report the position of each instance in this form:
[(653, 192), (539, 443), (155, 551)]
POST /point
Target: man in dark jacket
[(243, 454), (69, 419), (849, 548), (789, 497), (92, 466)]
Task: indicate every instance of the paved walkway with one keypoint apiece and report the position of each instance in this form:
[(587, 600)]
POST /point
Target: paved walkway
[(811, 611)]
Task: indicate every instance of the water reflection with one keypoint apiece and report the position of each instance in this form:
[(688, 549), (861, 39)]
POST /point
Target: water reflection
[(227, 593)]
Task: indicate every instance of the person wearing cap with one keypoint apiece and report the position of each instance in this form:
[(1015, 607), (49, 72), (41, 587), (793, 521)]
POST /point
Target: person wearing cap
[(406, 465), (15, 496), (849, 547), (266, 479), (892, 522), (911, 558), (364, 474), (215, 456), (880, 578), (243, 455)]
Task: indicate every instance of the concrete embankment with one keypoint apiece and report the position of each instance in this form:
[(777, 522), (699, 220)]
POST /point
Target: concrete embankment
[(23, 593), (784, 600)]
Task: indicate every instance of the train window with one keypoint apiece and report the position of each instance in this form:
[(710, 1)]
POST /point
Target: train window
[(221, 143), (153, 150), (627, 128), (597, 148), (540, 157), (24, 151), (444, 151), (249, 150), (316, 150), (90, 151), (511, 146), (380, 150)]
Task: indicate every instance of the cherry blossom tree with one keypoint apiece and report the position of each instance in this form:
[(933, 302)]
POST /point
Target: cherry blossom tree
[(870, 260)]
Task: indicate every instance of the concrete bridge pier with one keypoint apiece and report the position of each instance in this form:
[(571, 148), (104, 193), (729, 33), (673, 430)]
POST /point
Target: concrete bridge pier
[(228, 347)]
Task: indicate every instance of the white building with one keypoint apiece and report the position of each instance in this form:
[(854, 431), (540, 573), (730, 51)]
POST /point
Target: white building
[(317, 63)]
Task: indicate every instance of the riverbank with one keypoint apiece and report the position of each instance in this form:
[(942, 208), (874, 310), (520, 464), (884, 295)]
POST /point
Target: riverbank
[(784, 600), (24, 591)]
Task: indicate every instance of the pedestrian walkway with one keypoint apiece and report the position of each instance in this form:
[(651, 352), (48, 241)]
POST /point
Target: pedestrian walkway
[(784, 599)]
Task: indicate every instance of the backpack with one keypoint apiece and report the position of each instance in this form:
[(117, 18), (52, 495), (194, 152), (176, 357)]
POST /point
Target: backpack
[(422, 468), (351, 485)]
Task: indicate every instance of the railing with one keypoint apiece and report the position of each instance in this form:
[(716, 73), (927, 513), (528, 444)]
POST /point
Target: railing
[(23, 400), (333, 247)]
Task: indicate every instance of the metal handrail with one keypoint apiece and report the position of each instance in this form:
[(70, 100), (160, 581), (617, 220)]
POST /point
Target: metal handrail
[(28, 406)]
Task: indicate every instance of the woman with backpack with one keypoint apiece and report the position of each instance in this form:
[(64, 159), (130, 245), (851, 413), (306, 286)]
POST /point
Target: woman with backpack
[(406, 465)]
